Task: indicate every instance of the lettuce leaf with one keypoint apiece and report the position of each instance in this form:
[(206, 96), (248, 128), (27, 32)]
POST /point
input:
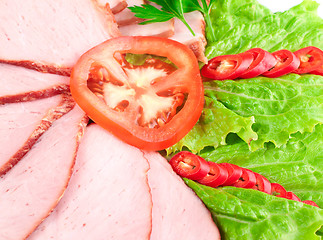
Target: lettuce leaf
[(247, 214)]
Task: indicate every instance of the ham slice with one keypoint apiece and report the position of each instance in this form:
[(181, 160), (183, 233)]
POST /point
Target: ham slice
[(116, 6), (33, 187), (51, 35), (126, 17), (177, 212), (108, 196)]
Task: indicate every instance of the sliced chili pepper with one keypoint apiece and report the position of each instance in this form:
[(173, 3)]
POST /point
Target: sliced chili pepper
[(234, 173), (278, 190), (309, 202), (247, 179), (287, 62), (318, 71), (189, 165), (292, 196), (311, 58), (263, 61), (227, 66), (216, 176), (262, 184)]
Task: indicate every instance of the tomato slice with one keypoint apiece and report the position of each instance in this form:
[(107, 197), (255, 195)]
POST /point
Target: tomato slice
[(234, 173), (278, 190), (262, 62), (227, 66), (189, 165), (287, 62), (216, 176), (262, 184), (247, 179), (309, 202), (147, 106), (292, 196), (311, 58)]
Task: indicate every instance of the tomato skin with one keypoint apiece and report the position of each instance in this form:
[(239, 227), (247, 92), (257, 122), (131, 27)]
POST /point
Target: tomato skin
[(263, 61), (227, 66), (189, 165), (123, 125), (287, 62), (309, 64), (247, 179), (234, 173), (309, 202), (216, 176)]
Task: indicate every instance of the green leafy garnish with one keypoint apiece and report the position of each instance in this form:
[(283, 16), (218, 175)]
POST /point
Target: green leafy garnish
[(172, 9)]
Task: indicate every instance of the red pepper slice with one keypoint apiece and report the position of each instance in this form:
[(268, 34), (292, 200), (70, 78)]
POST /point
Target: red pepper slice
[(263, 61), (309, 202), (234, 173), (278, 190), (227, 66), (311, 58), (189, 165), (292, 196), (247, 179), (216, 176), (262, 184), (287, 62), (318, 71)]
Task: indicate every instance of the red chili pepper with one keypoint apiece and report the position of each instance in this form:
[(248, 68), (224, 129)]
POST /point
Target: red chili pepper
[(262, 184), (216, 176), (247, 179), (292, 196), (189, 165), (311, 58), (227, 66), (287, 62), (318, 71), (278, 190), (234, 173), (309, 202), (263, 61)]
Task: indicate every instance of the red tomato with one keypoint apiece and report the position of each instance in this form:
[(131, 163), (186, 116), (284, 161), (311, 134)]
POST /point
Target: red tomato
[(278, 190), (146, 106), (262, 62), (216, 176), (311, 58), (227, 66), (247, 179), (309, 202), (287, 62), (292, 196), (262, 184), (189, 165), (234, 173)]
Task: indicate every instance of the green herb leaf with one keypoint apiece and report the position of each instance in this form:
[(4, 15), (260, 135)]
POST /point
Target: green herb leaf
[(150, 12)]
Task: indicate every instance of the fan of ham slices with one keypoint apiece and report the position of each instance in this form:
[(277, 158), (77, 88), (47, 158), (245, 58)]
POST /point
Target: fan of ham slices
[(61, 178)]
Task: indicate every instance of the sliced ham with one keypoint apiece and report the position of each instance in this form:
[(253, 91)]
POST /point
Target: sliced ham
[(126, 17), (116, 6), (182, 34), (50, 35), (33, 187), (108, 196), (21, 84), (160, 29), (177, 212)]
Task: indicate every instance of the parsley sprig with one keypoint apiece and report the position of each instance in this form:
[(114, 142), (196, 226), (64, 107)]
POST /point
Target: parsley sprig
[(174, 8)]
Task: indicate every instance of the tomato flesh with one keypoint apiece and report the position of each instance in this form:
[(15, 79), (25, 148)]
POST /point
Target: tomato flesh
[(189, 165), (216, 176), (227, 66), (311, 58), (150, 106), (287, 62), (234, 173), (262, 62)]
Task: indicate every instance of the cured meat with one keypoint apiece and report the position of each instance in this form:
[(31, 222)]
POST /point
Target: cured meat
[(160, 29), (177, 212), (108, 196), (116, 6), (182, 34), (34, 186), (126, 17), (51, 35), (21, 84)]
